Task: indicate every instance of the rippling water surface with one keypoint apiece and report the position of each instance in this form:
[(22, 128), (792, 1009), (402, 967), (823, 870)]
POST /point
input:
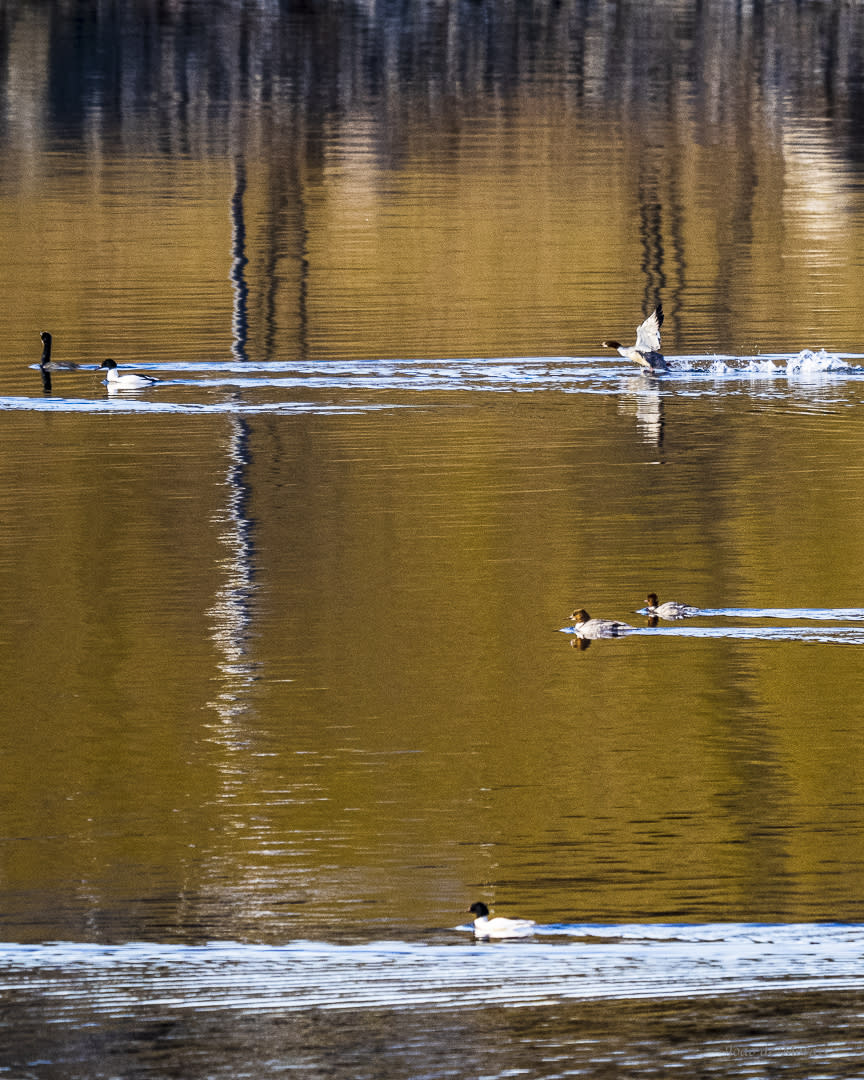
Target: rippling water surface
[(284, 684), (788, 976)]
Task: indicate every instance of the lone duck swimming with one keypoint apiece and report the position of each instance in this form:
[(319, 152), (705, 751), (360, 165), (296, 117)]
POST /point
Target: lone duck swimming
[(586, 627), (499, 927), (670, 610), (646, 352), (127, 381)]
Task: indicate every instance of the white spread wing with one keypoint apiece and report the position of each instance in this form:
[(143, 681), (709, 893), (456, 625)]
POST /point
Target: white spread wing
[(648, 334)]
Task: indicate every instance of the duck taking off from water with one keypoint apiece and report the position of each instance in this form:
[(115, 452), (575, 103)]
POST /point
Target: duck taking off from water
[(129, 381), (586, 627), (46, 363), (646, 352), (499, 927)]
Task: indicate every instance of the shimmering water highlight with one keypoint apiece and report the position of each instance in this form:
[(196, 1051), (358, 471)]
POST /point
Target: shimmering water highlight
[(606, 962)]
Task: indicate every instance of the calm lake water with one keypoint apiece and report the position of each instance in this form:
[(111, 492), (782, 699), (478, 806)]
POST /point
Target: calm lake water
[(285, 687)]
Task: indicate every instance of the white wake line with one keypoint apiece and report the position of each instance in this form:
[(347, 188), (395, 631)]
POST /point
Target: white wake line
[(816, 614), (226, 976), (848, 634), (820, 362), (473, 373), (836, 635), (135, 404)]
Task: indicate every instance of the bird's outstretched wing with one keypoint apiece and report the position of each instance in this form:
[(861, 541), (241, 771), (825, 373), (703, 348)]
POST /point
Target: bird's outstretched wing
[(648, 334)]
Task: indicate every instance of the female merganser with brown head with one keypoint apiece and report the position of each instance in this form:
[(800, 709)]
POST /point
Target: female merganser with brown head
[(646, 352), (670, 610), (499, 927), (587, 627)]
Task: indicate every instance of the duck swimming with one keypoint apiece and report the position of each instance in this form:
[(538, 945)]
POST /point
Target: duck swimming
[(587, 627), (646, 352), (670, 610), (499, 927), (46, 363), (129, 381)]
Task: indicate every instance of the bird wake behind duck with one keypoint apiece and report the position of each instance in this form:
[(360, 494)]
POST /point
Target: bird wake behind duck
[(646, 352)]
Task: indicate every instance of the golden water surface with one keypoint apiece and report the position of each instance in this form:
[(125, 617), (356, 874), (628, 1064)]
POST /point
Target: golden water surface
[(277, 672)]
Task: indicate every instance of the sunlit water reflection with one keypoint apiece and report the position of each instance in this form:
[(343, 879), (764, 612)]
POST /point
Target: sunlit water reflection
[(623, 962), (704, 998), (280, 654)]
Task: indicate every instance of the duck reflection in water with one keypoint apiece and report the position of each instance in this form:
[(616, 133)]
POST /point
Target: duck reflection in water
[(643, 401)]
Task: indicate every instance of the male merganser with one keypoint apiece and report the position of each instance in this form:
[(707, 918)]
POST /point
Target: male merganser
[(646, 352), (499, 927), (587, 627), (130, 381), (671, 609), (46, 363)]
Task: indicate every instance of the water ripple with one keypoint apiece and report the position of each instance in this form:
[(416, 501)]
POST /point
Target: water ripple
[(776, 613), (607, 962), (135, 404), (688, 375), (837, 635)]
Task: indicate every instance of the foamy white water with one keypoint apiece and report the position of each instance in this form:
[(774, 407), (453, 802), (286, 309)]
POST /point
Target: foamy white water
[(235, 386), (604, 962)]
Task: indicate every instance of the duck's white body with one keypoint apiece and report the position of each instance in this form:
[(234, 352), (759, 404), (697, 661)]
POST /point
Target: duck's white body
[(499, 927), (126, 381), (671, 609), (646, 352), (586, 627)]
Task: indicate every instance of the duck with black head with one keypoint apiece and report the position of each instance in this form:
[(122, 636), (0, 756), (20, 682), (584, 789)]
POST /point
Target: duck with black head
[(646, 352), (46, 363), (129, 380), (499, 927)]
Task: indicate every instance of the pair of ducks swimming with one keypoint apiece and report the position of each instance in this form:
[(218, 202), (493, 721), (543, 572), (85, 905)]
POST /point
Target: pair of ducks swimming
[(586, 627), (114, 378)]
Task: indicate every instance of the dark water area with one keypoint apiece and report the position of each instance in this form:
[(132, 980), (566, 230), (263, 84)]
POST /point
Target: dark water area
[(285, 687)]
